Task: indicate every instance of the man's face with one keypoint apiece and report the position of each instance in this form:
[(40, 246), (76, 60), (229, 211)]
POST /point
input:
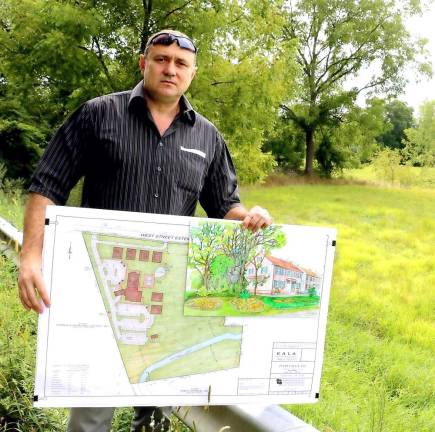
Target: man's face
[(168, 71)]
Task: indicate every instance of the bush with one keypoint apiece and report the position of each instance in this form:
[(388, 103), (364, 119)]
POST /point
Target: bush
[(20, 148), (386, 165), (329, 158), (17, 348), (287, 145)]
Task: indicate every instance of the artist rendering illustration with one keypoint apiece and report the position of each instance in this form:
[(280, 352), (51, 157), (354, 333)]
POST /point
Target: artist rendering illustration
[(234, 272)]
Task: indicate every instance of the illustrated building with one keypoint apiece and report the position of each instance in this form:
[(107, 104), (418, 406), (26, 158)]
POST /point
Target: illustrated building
[(276, 276), (157, 257), (117, 252), (144, 255), (131, 254), (132, 293)]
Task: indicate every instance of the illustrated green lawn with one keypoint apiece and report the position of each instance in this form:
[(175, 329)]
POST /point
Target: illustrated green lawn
[(252, 306), (171, 332)]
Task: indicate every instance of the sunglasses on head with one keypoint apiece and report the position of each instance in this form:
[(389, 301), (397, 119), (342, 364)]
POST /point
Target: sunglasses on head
[(168, 39)]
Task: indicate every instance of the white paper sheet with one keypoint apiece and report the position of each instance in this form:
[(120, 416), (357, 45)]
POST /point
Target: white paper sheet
[(117, 334)]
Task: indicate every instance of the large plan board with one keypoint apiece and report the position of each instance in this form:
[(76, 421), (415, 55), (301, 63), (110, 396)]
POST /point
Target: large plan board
[(168, 310)]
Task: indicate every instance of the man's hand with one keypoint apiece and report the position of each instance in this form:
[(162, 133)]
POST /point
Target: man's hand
[(31, 286), (253, 219), (257, 218), (30, 282)]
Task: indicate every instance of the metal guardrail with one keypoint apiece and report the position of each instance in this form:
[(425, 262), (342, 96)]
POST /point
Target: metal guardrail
[(241, 418), (228, 418), (11, 240)]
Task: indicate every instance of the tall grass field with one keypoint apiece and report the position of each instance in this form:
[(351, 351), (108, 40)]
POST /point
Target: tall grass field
[(379, 365)]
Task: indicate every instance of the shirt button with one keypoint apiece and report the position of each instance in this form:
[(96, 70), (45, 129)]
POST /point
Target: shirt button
[(159, 169), (156, 195), (160, 144)]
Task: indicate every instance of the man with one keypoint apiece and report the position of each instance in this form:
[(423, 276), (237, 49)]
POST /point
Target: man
[(143, 150)]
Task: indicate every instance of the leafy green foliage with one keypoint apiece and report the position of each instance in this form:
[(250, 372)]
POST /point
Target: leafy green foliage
[(17, 334), (399, 116), (355, 136), (312, 292), (219, 269), (54, 55), (239, 84), (419, 145), (329, 158), (388, 168), (287, 145), (20, 150), (337, 40), (20, 138), (204, 249)]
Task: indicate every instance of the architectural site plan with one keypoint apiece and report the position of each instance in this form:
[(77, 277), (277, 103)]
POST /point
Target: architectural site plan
[(168, 310)]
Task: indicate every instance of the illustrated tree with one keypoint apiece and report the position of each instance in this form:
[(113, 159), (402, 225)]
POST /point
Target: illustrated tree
[(257, 263), (275, 239), (312, 292), (241, 245), (205, 248), (339, 41), (219, 269)]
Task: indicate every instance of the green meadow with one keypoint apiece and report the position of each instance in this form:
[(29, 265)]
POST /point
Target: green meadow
[(379, 365)]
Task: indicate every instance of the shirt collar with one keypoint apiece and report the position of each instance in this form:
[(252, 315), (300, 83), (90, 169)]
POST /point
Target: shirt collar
[(137, 98)]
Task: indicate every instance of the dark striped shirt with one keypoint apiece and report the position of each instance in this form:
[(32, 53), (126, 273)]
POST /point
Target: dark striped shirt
[(113, 142)]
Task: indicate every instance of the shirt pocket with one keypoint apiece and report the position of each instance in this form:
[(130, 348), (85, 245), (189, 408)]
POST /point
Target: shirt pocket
[(191, 169)]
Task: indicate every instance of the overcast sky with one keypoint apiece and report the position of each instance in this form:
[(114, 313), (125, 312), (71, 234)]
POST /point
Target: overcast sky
[(417, 92), (419, 88)]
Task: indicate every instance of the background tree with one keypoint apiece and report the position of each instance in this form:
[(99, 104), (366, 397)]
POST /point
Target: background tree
[(20, 139), (352, 140), (399, 115), (386, 165), (40, 61), (240, 82), (340, 40), (55, 54), (287, 145), (276, 240), (419, 144)]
